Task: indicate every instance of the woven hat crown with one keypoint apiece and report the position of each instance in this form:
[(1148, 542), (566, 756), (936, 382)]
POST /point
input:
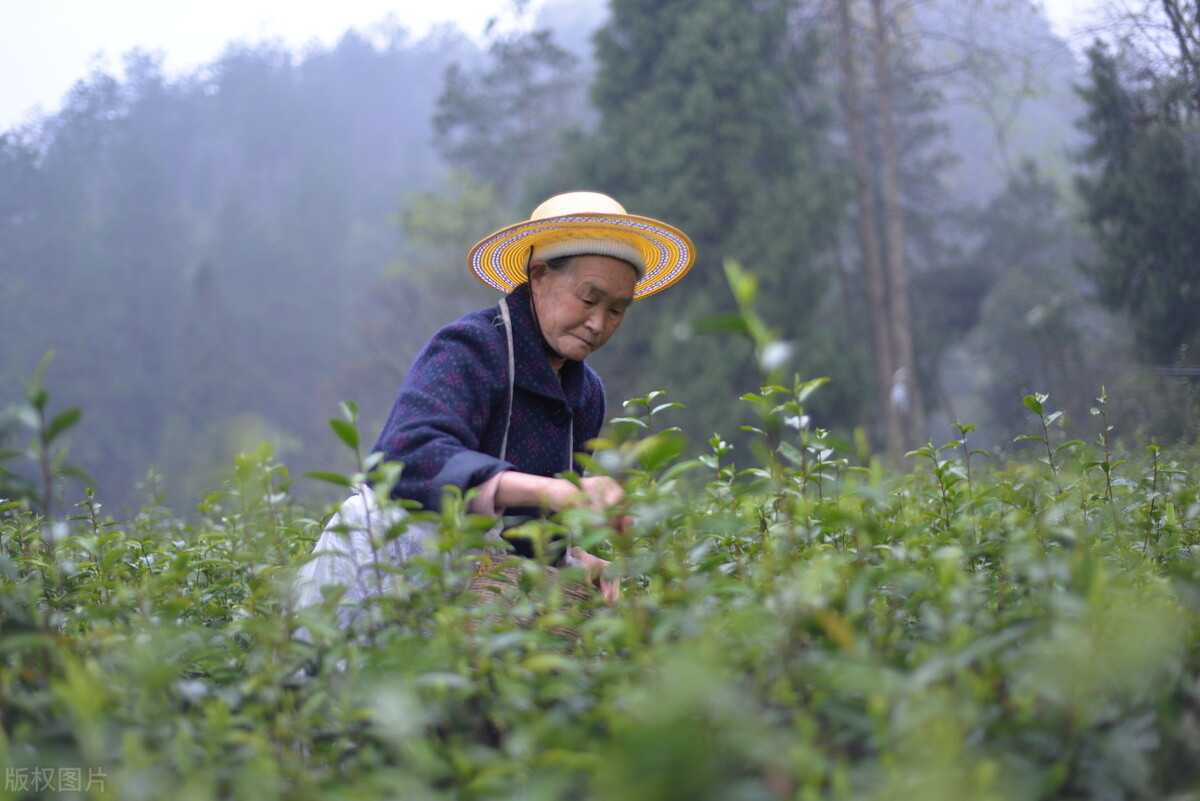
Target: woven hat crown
[(576, 203), (579, 223)]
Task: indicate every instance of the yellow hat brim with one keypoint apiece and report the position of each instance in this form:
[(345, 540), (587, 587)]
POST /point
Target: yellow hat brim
[(500, 260)]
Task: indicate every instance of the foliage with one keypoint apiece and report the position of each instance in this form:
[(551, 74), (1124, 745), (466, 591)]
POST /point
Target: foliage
[(713, 120), (500, 122), (1007, 84), (818, 629), (46, 452), (968, 80), (1020, 230), (1142, 196), (1018, 309), (197, 249), (212, 254), (804, 623), (422, 290)]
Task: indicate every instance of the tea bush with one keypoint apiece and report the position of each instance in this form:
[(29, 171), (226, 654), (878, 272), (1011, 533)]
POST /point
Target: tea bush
[(802, 623), (804, 627)]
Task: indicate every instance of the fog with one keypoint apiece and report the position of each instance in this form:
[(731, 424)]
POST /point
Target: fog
[(217, 259)]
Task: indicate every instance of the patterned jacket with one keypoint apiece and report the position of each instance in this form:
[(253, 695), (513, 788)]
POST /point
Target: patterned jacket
[(448, 421)]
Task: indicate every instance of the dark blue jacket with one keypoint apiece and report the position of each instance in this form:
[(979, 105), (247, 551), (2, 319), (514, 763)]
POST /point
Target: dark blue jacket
[(448, 420)]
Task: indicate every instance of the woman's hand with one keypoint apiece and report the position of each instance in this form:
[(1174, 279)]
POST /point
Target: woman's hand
[(594, 567), (601, 493)]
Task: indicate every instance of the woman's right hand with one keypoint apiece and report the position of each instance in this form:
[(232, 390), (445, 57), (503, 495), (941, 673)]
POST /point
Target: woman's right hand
[(602, 493)]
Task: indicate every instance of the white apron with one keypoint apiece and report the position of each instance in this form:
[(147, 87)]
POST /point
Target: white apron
[(343, 556)]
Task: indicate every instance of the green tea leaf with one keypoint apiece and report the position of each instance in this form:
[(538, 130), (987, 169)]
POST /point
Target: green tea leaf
[(331, 478), (63, 421), (346, 432)]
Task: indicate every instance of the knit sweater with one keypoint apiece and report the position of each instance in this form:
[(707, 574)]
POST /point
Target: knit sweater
[(448, 421)]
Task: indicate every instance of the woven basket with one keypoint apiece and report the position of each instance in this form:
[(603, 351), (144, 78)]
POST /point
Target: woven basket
[(499, 583)]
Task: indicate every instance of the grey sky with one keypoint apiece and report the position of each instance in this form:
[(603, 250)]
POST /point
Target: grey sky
[(48, 45)]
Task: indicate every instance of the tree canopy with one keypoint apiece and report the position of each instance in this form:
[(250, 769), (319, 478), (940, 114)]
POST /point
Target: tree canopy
[(197, 250), (220, 258), (711, 119), (1142, 199)]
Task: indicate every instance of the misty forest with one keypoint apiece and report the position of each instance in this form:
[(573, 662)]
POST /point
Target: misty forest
[(931, 392), (219, 258)]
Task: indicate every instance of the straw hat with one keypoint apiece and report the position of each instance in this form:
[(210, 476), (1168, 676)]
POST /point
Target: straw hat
[(578, 223)]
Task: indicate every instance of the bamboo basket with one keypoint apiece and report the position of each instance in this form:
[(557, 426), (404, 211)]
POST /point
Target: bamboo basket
[(499, 583)]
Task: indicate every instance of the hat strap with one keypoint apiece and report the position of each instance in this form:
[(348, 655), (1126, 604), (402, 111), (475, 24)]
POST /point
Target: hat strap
[(512, 370), (537, 322)]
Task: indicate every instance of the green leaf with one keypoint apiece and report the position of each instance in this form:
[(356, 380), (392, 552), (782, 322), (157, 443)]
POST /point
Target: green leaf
[(722, 324), (77, 473), (743, 284), (62, 421), (1034, 404), (676, 470), (332, 478), (38, 398), (809, 387), (790, 453), (346, 432), (548, 662), (657, 451), (665, 406)]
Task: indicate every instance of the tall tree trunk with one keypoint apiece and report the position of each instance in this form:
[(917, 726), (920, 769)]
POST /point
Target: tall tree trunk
[(868, 231), (907, 393)]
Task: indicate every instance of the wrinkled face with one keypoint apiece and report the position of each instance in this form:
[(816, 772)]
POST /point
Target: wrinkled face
[(579, 307)]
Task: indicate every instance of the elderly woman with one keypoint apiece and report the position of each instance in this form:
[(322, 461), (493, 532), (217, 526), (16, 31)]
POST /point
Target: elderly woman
[(499, 401)]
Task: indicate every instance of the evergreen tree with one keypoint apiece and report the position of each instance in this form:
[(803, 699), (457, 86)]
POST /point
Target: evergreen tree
[(1027, 315), (196, 249), (1142, 199), (709, 120), (502, 121)]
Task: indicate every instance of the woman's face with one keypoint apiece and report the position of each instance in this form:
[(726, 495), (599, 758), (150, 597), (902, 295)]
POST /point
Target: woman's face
[(581, 306)]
